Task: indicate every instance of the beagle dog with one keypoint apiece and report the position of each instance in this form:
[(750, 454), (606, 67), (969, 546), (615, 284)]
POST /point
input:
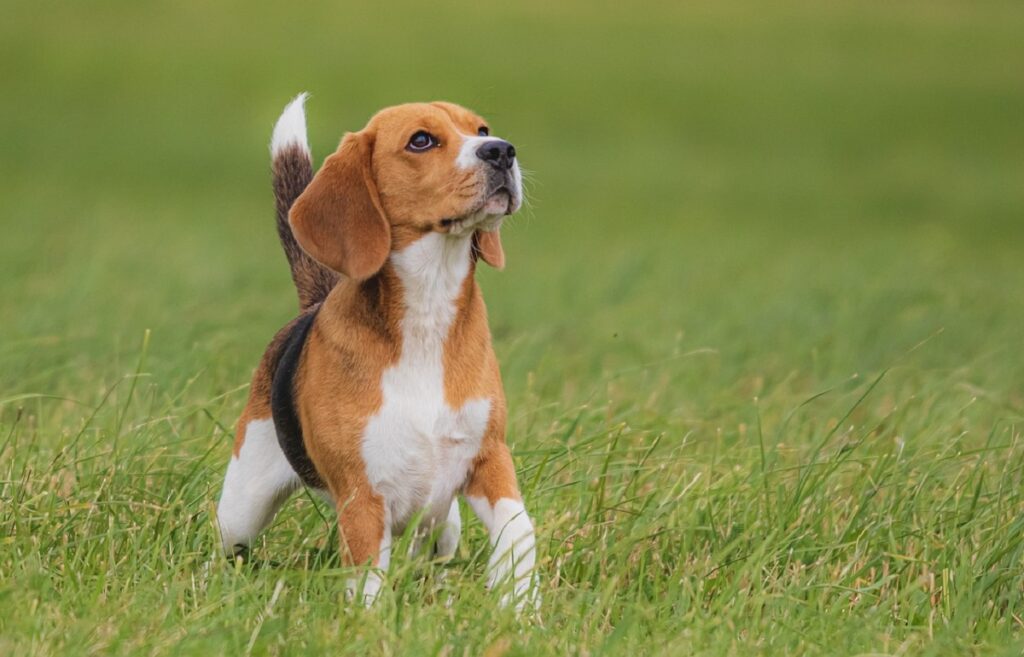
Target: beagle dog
[(384, 393)]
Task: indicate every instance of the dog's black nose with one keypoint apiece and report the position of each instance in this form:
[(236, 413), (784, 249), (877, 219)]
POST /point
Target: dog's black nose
[(498, 153)]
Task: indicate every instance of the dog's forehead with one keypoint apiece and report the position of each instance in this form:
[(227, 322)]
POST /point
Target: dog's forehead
[(438, 115)]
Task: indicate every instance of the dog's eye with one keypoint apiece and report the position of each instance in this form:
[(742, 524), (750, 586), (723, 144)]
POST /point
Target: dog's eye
[(422, 141), (483, 131)]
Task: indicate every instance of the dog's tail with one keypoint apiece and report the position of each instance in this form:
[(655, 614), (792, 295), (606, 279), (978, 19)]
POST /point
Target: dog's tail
[(292, 165)]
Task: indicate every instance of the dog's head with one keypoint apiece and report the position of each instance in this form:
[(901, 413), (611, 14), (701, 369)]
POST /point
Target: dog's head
[(413, 169)]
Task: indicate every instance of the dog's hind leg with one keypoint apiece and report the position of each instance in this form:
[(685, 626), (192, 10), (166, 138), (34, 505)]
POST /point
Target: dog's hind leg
[(258, 481)]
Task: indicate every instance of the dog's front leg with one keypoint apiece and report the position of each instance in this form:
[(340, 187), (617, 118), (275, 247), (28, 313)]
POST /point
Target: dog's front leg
[(495, 498), (451, 530), (365, 535)]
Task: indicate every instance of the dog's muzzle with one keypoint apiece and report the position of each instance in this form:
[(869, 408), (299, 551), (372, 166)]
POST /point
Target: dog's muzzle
[(503, 186)]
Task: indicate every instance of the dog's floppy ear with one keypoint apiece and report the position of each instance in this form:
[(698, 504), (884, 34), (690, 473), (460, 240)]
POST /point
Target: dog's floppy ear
[(487, 245), (338, 219)]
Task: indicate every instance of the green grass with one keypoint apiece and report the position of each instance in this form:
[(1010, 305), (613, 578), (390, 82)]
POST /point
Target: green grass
[(760, 330)]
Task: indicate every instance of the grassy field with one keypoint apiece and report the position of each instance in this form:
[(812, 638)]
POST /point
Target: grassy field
[(760, 331)]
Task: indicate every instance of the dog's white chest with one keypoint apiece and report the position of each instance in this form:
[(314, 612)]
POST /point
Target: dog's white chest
[(418, 449)]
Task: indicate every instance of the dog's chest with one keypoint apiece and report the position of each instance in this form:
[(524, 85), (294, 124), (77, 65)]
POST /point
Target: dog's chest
[(417, 448)]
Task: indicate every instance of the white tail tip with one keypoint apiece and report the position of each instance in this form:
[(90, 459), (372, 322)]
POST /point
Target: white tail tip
[(290, 129)]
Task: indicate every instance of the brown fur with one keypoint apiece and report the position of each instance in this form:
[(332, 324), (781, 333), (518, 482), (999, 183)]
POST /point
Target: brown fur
[(370, 198), (338, 219), (488, 247), (292, 172)]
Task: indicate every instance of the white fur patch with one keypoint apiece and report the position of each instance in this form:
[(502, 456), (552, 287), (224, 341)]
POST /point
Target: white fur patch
[(417, 448), (257, 482), (366, 587), (290, 129), (467, 158), (517, 181), (448, 541), (514, 550)]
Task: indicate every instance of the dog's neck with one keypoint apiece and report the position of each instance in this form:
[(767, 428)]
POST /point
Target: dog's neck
[(423, 289), (432, 273)]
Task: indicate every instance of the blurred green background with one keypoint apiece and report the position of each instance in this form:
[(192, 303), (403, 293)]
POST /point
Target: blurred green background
[(732, 207), (820, 184)]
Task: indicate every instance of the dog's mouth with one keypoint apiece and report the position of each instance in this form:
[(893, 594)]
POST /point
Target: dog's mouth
[(499, 202), (486, 215)]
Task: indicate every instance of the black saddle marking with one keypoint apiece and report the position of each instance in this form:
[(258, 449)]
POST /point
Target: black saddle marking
[(282, 403)]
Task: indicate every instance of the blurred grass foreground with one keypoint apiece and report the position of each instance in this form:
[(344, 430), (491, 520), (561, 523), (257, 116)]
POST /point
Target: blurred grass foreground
[(760, 330)]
